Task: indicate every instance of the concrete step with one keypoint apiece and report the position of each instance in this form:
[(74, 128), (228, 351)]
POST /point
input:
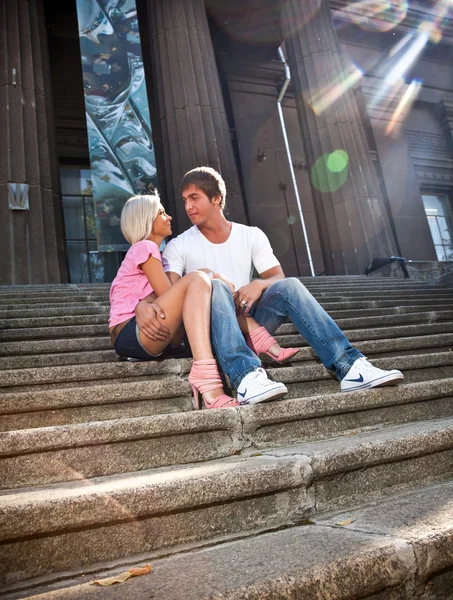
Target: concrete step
[(70, 320), (380, 347), (384, 332), (386, 551), (379, 294), (39, 303), (45, 408), (63, 345), (350, 322), (311, 379), (42, 333), (103, 460), (103, 308), (71, 526), (67, 358), (409, 344), (25, 302), (56, 311), (421, 367), (92, 372), (340, 281), (54, 346), (102, 316), (47, 454)]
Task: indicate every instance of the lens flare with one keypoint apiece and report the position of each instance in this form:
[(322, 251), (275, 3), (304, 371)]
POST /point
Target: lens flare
[(323, 99), (291, 220), (337, 161), (403, 108), (376, 15), (326, 178), (432, 30)]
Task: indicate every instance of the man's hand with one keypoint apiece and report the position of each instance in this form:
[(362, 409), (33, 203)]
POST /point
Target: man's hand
[(248, 294), (149, 320)]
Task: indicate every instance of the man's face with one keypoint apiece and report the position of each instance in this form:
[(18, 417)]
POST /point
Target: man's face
[(199, 208)]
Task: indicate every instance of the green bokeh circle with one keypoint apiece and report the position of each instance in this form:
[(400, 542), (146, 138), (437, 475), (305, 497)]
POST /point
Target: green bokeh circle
[(337, 161), (323, 178)]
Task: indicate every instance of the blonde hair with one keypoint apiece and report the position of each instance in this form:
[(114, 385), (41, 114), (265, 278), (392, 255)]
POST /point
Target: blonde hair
[(137, 216)]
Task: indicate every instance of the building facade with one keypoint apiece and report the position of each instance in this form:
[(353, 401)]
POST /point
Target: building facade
[(331, 123)]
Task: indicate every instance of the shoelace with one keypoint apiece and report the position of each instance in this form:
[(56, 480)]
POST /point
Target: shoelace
[(257, 379), (367, 365)]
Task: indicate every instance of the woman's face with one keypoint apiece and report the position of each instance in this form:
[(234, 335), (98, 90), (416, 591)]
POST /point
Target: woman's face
[(162, 224)]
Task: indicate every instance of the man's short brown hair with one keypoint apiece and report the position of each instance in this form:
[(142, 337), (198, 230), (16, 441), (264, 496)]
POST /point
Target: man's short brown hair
[(208, 180)]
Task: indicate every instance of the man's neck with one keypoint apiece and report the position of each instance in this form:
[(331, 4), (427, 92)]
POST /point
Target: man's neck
[(217, 231)]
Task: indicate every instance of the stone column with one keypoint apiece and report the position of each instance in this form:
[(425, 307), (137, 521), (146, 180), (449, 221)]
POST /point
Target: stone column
[(353, 220), (190, 107), (31, 241)]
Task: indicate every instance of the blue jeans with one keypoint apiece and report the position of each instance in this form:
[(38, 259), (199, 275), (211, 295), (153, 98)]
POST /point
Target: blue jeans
[(287, 298)]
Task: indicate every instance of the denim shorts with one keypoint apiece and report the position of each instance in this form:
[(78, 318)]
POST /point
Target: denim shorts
[(128, 345)]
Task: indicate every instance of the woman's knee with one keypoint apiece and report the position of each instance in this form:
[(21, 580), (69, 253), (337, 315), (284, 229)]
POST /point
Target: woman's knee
[(200, 279)]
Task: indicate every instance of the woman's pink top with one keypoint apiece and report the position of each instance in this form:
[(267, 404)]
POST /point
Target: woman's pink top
[(131, 284)]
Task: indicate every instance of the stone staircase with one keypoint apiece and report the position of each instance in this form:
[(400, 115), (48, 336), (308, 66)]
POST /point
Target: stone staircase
[(104, 464)]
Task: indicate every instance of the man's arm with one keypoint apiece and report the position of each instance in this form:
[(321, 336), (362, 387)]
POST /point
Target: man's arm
[(251, 292)]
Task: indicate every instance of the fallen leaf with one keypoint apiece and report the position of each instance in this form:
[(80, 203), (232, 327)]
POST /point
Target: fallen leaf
[(344, 523), (136, 571), (122, 577)]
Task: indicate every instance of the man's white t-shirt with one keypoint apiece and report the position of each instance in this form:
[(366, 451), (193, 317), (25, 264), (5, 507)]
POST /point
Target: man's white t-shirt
[(246, 247)]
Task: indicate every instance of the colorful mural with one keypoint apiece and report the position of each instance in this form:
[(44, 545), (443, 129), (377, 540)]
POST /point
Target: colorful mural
[(116, 103)]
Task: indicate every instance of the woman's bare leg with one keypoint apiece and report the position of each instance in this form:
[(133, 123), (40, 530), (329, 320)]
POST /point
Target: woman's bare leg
[(188, 301), (247, 324)]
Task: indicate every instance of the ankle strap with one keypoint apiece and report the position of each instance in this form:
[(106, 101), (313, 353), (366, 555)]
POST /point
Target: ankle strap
[(261, 340), (204, 375)]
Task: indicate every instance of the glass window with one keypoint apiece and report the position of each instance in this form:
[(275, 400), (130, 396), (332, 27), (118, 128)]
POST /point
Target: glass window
[(85, 265), (439, 212)]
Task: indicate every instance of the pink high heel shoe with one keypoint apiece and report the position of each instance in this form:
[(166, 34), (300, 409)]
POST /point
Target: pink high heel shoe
[(204, 377), (261, 341)]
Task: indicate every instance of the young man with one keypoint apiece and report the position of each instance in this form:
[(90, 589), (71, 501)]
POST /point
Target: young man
[(231, 250)]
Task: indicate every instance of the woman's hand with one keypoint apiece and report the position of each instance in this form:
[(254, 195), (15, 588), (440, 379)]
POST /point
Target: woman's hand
[(149, 320)]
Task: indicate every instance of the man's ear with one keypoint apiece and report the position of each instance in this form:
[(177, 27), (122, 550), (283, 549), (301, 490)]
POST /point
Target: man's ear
[(216, 200)]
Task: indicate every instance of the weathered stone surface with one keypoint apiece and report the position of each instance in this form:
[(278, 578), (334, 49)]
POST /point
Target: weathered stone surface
[(120, 516), (375, 555), (424, 518), (339, 564), (75, 373), (292, 421), (83, 451), (60, 346), (96, 412), (117, 436), (368, 465)]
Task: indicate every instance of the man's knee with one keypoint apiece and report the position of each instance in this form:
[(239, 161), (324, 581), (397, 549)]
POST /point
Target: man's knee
[(289, 287), (221, 292)]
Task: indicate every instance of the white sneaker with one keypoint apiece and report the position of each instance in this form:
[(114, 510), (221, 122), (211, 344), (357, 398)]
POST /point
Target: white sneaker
[(362, 375), (256, 387)]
